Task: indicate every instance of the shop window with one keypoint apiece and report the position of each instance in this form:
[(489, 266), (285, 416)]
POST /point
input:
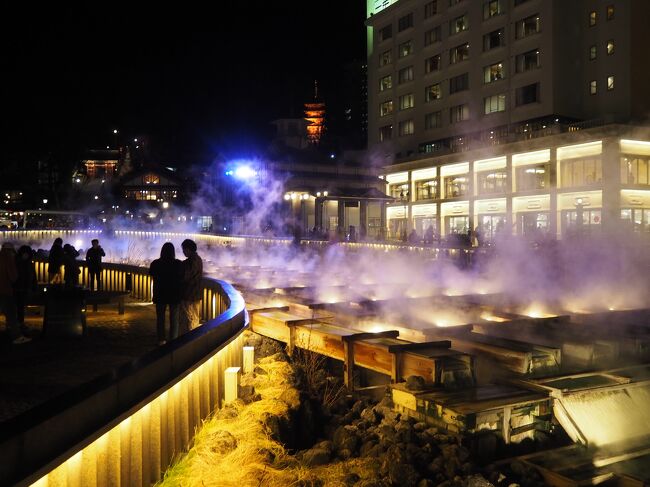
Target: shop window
[(456, 186), (489, 226), (533, 177), (581, 221), (399, 191), (637, 218), (426, 190), (457, 225), (635, 170), (581, 172), (533, 224), (491, 182)]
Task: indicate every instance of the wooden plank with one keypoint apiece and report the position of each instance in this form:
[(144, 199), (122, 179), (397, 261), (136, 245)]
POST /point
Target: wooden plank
[(231, 381), (348, 364)]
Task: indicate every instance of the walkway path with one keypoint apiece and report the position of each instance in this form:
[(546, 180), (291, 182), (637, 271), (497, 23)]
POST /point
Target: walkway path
[(37, 371)]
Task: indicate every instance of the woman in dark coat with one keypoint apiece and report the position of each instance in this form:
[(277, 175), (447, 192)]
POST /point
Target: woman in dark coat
[(71, 266), (166, 273), (26, 282)]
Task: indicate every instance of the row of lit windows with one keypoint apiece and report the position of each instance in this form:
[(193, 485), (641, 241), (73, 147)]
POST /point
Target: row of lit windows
[(593, 15), (492, 104)]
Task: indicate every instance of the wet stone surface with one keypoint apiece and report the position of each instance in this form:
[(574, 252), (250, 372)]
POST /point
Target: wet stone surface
[(34, 372)]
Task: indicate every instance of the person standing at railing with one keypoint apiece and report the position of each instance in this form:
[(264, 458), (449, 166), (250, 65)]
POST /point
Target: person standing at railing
[(55, 262), (8, 277), (94, 262), (166, 273), (71, 266), (26, 282), (191, 289)]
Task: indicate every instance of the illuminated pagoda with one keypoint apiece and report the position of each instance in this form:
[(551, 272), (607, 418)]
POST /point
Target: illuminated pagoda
[(315, 115)]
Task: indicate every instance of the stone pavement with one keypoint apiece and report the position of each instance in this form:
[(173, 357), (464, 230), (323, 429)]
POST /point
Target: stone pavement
[(45, 367)]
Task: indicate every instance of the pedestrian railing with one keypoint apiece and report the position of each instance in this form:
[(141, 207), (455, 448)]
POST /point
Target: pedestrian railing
[(125, 428)]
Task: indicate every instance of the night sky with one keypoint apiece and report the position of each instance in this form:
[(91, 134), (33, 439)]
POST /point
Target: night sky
[(193, 80)]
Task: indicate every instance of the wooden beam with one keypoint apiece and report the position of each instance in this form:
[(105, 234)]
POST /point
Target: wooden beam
[(414, 347), (348, 364), (355, 337)]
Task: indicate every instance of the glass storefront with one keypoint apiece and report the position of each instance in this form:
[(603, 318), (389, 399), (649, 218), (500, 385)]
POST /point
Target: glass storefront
[(490, 225), (637, 218), (397, 229), (591, 221), (457, 225), (426, 226), (533, 223)]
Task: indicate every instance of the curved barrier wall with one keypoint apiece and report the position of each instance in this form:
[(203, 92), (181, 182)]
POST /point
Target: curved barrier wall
[(125, 428)]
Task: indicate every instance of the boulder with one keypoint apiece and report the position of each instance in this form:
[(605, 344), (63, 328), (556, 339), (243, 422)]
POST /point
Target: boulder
[(415, 383), (316, 456), (222, 442)]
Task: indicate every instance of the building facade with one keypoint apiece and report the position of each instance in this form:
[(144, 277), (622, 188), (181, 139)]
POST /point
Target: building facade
[(523, 116)]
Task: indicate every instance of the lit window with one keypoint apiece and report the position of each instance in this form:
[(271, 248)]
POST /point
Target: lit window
[(610, 82), (405, 49), (495, 103), (492, 8), (610, 12), (405, 22), (432, 92), (406, 101), (459, 24), (386, 83), (406, 127), (385, 58), (386, 108), (432, 120), (592, 18), (405, 74), (459, 113), (432, 64), (610, 46), (592, 53), (459, 53), (494, 72), (528, 26), (593, 87), (430, 9)]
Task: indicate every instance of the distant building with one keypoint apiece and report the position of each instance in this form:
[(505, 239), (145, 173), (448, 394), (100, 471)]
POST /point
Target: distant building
[(315, 117), (156, 184), (518, 116)]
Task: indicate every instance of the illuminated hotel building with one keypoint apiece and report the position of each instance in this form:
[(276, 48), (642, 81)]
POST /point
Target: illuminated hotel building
[(523, 116)]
